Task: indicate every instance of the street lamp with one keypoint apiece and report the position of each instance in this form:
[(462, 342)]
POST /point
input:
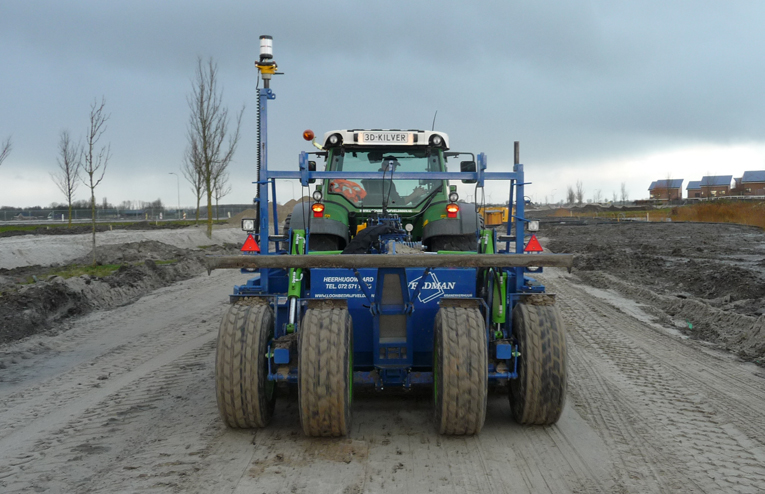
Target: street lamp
[(178, 179)]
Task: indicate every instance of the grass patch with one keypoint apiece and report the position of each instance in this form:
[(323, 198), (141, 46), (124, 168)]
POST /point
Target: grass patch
[(740, 212), (78, 270), (167, 261), (649, 215), (730, 211), (27, 228), (202, 222)]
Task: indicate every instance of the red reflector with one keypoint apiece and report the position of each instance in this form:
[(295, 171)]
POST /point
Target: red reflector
[(452, 210), (318, 210), (250, 245), (533, 245)]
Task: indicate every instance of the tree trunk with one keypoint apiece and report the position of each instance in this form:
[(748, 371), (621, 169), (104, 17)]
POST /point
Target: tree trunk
[(197, 218), (93, 218), (70, 214), (209, 213)]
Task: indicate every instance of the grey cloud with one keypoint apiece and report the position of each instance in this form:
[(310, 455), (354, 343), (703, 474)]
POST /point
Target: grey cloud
[(576, 82)]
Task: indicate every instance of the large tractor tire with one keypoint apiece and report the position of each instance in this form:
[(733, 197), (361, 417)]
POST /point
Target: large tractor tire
[(325, 373), (461, 243), (538, 394), (246, 397), (460, 371), (323, 242)]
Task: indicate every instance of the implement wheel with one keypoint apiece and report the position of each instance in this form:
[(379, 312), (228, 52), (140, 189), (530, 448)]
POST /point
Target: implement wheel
[(538, 394), (460, 371), (245, 397), (325, 374)]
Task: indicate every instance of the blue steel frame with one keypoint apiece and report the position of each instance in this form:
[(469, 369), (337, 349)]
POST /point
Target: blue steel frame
[(266, 177)]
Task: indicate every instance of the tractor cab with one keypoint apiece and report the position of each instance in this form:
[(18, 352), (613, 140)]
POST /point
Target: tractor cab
[(389, 190), (384, 184)]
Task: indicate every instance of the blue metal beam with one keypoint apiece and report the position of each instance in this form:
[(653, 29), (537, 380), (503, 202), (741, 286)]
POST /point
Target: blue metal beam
[(305, 176)]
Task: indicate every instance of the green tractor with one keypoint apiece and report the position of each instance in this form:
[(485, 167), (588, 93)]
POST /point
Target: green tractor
[(429, 208)]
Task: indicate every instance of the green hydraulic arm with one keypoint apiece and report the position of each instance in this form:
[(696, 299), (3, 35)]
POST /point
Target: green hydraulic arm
[(295, 289)]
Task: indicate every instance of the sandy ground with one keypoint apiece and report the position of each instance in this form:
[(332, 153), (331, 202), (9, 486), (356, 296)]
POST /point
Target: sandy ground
[(46, 250), (123, 400), (707, 280)]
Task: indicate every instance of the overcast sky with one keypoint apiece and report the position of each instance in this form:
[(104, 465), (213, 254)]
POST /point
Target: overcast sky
[(604, 92)]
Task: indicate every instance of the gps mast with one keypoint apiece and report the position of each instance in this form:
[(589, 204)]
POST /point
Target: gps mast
[(266, 68)]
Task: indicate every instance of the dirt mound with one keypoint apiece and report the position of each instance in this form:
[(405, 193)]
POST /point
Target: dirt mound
[(27, 309), (702, 260), (706, 279), (282, 210), (81, 228), (741, 334), (247, 213), (133, 252)]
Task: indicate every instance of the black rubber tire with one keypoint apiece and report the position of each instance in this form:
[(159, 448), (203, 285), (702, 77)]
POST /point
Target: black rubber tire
[(460, 371), (459, 243), (325, 377), (245, 396), (287, 221), (538, 395), (323, 242)]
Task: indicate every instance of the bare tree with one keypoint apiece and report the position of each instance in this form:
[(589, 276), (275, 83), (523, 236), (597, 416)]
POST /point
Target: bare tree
[(192, 172), (69, 162), (5, 149), (570, 195), (615, 198), (579, 192), (596, 196), (221, 188), (666, 189), (708, 185), (625, 196), (208, 130), (95, 159)]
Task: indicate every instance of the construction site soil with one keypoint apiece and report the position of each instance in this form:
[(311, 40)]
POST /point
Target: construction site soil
[(107, 384), (35, 298), (708, 280), (81, 228)]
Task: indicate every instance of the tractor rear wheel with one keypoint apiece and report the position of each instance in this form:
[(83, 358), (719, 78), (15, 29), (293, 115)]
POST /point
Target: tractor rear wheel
[(287, 221), (538, 394), (460, 371), (461, 243), (246, 397), (324, 242), (325, 373)]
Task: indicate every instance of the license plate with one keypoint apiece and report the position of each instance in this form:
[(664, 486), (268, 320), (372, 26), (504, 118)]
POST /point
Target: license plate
[(386, 138)]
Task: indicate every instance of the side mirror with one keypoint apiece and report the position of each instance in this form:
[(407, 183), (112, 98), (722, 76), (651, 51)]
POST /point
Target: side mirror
[(312, 168), (468, 167)]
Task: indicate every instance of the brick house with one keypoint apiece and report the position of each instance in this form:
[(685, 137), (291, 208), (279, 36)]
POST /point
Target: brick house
[(715, 185), (693, 189), (753, 183), (668, 190)]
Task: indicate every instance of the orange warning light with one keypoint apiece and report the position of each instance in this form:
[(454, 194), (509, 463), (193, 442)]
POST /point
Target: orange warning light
[(533, 245), (308, 135), (318, 210), (452, 210), (250, 245)]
